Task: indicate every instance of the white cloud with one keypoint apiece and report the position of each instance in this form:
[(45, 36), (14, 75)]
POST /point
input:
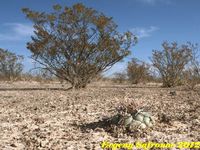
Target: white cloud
[(153, 2), (142, 32), (15, 31)]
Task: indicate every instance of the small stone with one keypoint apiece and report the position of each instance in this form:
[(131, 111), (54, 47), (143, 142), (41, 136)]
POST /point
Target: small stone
[(13, 145), (173, 93), (164, 118)]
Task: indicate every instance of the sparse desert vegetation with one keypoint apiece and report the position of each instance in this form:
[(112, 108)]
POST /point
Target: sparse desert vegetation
[(68, 100), (47, 118)]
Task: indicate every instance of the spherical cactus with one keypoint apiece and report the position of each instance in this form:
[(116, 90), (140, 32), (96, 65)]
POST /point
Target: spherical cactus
[(127, 120), (146, 114), (147, 120), (135, 120), (139, 117), (142, 126), (136, 125)]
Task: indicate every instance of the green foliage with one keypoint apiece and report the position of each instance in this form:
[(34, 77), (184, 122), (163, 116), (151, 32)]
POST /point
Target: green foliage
[(10, 65), (77, 43)]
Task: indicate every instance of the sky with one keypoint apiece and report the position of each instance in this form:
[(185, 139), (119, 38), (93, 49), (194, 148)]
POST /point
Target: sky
[(152, 21)]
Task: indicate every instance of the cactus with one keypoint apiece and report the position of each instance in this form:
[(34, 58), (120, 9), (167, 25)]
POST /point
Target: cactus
[(133, 117), (136, 125), (128, 120), (137, 120), (139, 117)]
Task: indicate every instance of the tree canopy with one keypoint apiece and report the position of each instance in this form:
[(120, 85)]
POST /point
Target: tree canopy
[(77, 43)]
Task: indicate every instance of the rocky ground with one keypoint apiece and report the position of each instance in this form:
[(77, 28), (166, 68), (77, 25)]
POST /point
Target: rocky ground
[(48, 116)]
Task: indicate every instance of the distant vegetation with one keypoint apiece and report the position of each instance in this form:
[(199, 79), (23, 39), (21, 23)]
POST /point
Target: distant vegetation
[(76, 44), (138, 71), (175, 62), (10, 65)]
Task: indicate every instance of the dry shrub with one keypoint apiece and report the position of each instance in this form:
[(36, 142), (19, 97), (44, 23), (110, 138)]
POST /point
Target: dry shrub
[(10, 65), (119, 77), (77, 43), (171, 62), (129, 105), (41, 76), (137, 71), (192, 73), (192, 79)]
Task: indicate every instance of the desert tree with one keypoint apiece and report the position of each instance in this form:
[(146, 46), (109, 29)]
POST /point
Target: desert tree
[(171, 62), (10, 65), (137, 71), (76, 43)]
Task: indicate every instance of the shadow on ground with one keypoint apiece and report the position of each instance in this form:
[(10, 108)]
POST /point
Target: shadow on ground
[(105, 124), (35, 89)]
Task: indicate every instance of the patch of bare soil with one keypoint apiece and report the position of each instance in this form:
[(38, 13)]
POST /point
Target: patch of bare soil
[(59, 119)]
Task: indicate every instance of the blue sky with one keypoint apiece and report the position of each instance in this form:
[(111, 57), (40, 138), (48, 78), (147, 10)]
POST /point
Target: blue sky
[(153, 21)]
